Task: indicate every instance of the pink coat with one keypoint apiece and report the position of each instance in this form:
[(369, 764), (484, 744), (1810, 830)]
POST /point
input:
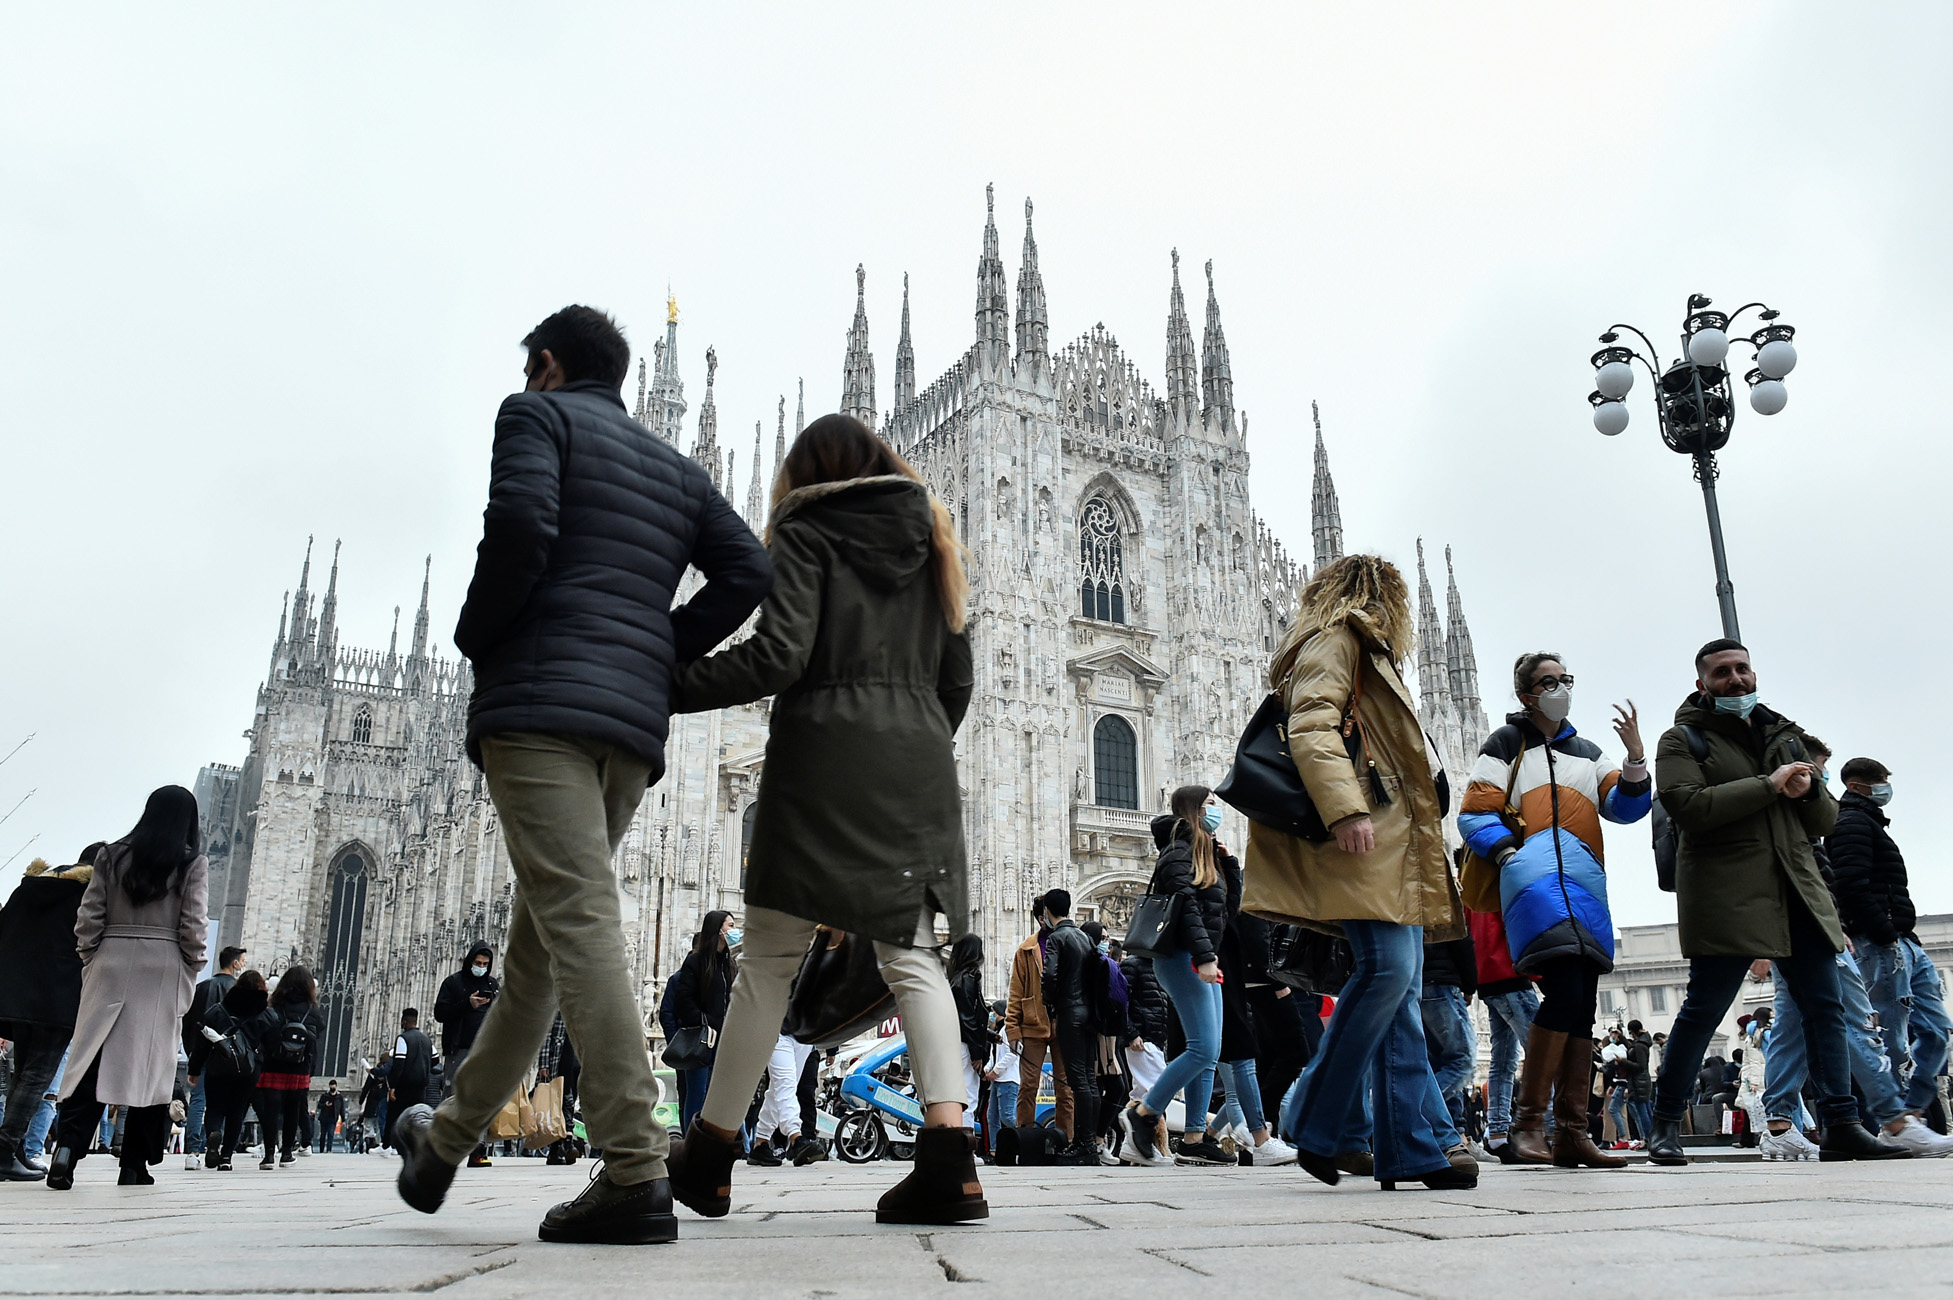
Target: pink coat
[(139, 969)]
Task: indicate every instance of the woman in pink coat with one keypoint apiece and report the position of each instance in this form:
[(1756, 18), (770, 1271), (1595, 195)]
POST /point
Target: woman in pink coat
[(140, 934)]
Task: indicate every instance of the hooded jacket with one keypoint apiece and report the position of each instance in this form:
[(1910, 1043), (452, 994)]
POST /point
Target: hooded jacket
[(1203, 911), (1868, 874), (40, 971), (460, 1020), (591, 522), (860, 819), (1146, 1008)]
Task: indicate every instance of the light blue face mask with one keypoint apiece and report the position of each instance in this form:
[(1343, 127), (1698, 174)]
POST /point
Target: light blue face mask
[(1105, 945), (733, 937), (1211, 819), (1740, 705), (1882, 793)]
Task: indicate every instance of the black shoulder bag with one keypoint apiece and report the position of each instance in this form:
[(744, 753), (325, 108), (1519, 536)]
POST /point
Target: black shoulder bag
[(1264, 785)]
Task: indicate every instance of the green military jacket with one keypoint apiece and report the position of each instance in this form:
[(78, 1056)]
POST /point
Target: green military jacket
[(1743, 847)]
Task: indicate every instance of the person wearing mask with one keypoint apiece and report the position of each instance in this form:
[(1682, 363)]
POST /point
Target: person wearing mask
[(40, 994), (230, 963), (569, 628), (1736, 781), (1383, 878), (1510, 1005), (460, 1007), (331, 1111), (1068, 986), (230, 1076), (1109, 1018), (293, 1028), (1189, 971), (1640, 1076), (1875, 906), (1002, 1073), (966, 986), (699, 997), (860, 821), (1027, 1028), (141, 933), (1538, 794), (410, 1075)]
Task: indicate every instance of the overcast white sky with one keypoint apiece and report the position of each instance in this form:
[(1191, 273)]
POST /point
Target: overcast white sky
[(264, 270)]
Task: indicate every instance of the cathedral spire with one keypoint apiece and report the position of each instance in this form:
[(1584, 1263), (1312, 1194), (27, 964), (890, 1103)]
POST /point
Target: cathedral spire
[(1216, 377), (1182, 370), (753, 488), (419, 651), (800, 410), (780, 438), (858, 370), (639, 414), (302, 602), (706, 449), (665, 404), (993, 291), (283, 601), (904, 356), (393, 644), (1033, 319), (329, 610), (1462, 661), (1433, 674), (1326, 514)]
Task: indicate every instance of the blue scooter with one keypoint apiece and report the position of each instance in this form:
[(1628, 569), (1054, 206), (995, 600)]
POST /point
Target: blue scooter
[(883, 1114)]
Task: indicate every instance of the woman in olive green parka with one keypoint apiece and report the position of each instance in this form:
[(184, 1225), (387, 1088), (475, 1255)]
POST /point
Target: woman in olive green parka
[(860, 820)]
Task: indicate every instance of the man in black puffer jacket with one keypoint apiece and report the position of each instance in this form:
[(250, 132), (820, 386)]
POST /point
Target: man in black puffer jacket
[(1069, 957), (591, 523)]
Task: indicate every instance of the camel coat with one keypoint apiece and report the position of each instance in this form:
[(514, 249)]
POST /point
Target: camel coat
[(139, 968), (1407, 878)]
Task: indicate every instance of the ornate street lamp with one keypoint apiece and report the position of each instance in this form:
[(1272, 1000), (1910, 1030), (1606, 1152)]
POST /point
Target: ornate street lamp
[(1692, 401)]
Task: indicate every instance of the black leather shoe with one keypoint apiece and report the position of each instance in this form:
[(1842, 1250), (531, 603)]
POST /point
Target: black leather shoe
[(610, 1214), (1321, 1168), (19, 1171), (61, 1170), (1665, 1148), (424, 1177), (763, 1155), (1451, 1178), (135, 1176), (1852, 1142)]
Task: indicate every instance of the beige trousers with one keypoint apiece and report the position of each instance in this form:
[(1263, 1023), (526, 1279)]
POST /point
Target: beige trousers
[(564, 804), (769, 958)]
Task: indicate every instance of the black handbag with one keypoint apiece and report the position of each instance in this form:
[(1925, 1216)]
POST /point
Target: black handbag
[(690, 1048), (1153, 924), (1309, 961), (1264, 785), (839, 993)]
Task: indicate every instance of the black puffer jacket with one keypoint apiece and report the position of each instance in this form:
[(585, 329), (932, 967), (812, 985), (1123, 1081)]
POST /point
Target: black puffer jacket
[(1145, 1002), (590, 523), (1453, 964), (1203, 912), (1868, 874)]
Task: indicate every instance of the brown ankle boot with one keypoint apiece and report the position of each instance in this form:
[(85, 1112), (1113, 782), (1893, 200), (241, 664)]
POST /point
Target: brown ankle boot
[(943, 1186), (700, 1167), (1527, 1137), (1573, 1146)]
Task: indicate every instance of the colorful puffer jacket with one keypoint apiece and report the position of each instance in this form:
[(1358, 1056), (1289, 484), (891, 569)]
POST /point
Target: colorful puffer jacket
[(1553, 888)]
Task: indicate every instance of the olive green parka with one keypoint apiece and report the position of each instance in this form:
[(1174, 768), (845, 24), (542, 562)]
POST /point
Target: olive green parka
[(860, 818), (1743, 848)]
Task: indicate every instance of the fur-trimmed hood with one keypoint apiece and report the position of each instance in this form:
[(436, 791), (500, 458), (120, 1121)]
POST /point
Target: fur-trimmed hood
[(880, 525), (41, 867)]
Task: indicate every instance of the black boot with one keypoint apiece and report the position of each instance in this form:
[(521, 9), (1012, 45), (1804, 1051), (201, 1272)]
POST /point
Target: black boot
[(614, 1214), (1665, 1145), (424, 1177), (1852, 1142), (61, 1170), (701, 1171), (943, 1186), (135, 1176)]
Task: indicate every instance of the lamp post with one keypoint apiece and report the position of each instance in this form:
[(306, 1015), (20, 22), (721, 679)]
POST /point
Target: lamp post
[(1693, 405)]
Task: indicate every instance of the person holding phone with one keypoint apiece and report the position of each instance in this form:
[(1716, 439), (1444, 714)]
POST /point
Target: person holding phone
[(460, 1007)]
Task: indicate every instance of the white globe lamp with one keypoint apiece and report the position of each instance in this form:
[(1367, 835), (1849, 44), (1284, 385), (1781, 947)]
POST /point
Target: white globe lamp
[(1776, 358), (1611, 417), (1614, 380), (1768, 396), (1708, 347)]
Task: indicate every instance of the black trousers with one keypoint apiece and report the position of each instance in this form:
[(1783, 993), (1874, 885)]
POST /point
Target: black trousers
[(227, 1099), (1283, 1039), (1078, 1047), (1569, 987), (280, 1111), (144, 1132), (37, 1055), (805, 1093)]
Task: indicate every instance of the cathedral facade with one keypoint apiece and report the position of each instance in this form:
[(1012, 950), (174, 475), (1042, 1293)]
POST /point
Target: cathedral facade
[(1125, 601)]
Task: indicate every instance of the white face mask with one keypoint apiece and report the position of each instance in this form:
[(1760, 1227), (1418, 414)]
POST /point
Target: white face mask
[(479, 970), (1555, 704)]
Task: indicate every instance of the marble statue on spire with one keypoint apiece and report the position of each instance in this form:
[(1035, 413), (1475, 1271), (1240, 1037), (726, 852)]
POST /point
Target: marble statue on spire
[(858, 370), (706, 449), (1325, 515), (1182, 366), (904, 357), (1216, 375), (993, 292), (1033, 318)]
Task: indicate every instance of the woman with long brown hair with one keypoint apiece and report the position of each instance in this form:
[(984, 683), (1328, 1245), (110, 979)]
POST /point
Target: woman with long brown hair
[(860, 820), (1382, 879)]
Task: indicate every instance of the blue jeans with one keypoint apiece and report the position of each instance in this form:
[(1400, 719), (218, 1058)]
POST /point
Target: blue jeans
[(1003, 1109), (1511, 1015), (1905, 990), (1617, 1103), (1644, 1118), (1243, 1090), (193, 1118), (697, 1082), (1199, 1007), (1787, 1063), (1811, 972), (1373, 1052), (1452, 1043)]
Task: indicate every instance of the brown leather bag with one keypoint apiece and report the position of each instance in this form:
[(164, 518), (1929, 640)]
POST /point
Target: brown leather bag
[(839, 993)]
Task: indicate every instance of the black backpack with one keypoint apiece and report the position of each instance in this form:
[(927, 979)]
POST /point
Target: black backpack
[(290, 1048), (1668, 840)]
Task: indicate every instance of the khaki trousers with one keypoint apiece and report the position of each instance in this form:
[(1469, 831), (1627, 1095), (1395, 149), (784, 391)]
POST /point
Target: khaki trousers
[(769, 957), (1030, 1079), (564, 804)]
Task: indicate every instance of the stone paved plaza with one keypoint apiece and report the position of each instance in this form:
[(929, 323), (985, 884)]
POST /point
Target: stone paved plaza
[(331, 1225)]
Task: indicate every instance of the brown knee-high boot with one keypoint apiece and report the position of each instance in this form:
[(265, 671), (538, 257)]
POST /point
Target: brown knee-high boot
[(1573, 1146), (1545, 1050)]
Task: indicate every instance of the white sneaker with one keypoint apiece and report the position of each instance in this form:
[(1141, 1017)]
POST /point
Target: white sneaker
[(305, 1151), (1273, 1152), (1792, 1145), (1243, 1139), (192, 1161), (1921, 1141)]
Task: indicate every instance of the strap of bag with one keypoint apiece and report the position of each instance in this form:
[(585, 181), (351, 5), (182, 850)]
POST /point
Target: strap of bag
[(1511, 784), (1352, 724)]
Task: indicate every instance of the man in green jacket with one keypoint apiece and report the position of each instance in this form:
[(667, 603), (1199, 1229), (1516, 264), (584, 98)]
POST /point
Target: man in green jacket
[(1738, 785)]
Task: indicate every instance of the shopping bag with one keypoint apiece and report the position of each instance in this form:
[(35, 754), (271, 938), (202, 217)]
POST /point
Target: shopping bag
[(507, 1124), (546, 1115)]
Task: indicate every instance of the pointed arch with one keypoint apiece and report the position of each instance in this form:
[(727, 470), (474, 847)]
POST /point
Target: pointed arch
[(351, 870)]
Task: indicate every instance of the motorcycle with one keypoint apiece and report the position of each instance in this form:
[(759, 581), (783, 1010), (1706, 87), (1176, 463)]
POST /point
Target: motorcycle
[(876, 1113)]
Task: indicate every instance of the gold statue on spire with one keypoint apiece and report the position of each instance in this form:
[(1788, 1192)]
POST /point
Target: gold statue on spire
[(671, 306)]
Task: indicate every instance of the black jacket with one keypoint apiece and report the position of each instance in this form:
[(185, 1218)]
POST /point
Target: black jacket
[(1640, 1068), (331, 1109), (461, 1021), (591, 522), (411, 1075), (1068, 952), (1868, 874), (1145, 1002), (272, 1024), (972, 1013), (208, 994), (1203, 912), (699, 994), (240, 1011), (40, 972), (1453, 964)]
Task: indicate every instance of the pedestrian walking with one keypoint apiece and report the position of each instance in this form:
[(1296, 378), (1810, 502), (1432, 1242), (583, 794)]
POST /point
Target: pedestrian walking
[(410, 1073), (1027, 1029), (1538, 794), (591, 524), (1383, 879), (235, 1025), (330, 1114), (293, 1029), (1146, 1027), (40, 995), (141, 935), (1069, 984), (460, 1007), (860, 821), (972, 1019), (1510, 1005), (209, 992), (699, 996), (1450, 1038), (1001, 1070)]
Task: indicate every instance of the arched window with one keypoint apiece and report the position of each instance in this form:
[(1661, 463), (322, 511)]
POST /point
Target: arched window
[(746, 820), (1115, 763), (363, 726), (339, 971), (1101, 563)]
